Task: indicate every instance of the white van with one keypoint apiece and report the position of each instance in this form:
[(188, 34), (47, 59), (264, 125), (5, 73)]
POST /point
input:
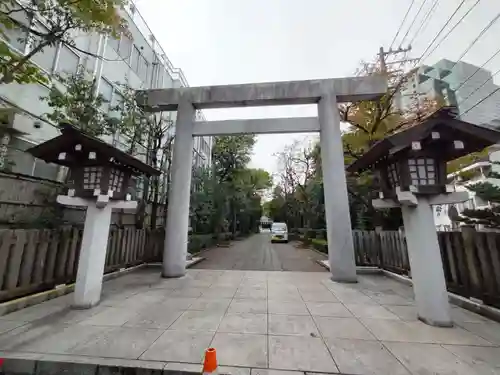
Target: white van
[(279, 232)]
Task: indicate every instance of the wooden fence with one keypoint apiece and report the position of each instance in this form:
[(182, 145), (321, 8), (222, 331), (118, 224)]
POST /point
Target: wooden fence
[(471, 259), (35, 260)]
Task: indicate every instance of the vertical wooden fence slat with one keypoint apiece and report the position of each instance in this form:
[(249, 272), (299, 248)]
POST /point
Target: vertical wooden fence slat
[(463, 275), (376, 255), (52, 256), (110, 248), (77, 254), (14, 267), (383, 254), (367, 248), (128, 245), (73, 248), (357, 246), (473, 272), (493, 249), (41, 256), (142, 245), (7, 239), (488, 285), (121, 247), (131, 240), (447, 243), (137, 234), (62, 255), (28, 260), (444, 257)]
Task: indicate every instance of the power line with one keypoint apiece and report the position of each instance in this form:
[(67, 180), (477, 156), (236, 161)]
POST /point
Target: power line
[(478, 69), (402, 23), (424, 56), (479, 87), (481, 101), (469, 47), (413, 22), (425, 21), (483, 31)]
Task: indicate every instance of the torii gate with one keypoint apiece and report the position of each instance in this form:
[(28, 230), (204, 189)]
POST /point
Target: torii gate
[(325, 93)]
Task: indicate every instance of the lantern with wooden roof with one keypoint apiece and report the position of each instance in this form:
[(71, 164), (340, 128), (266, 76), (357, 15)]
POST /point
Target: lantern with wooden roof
[(414, 158), (97, 169)]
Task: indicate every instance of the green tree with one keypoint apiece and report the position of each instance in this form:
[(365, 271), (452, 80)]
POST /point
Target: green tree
[(230, 155), (61, 20), (228, 196), (489, 192), (78, 103)]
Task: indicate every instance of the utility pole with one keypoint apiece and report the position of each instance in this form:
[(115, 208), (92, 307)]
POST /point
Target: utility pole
[(382, 55)]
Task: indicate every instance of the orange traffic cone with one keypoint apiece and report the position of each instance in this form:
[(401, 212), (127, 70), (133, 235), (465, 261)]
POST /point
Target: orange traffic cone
[(210, 363)]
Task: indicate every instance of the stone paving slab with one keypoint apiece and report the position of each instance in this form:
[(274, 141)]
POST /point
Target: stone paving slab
[(265, 323)]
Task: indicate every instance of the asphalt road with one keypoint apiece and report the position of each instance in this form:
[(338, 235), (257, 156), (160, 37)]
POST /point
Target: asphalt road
[(259, 254)]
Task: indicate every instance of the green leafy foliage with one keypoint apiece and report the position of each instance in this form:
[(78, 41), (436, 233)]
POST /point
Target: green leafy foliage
[(487, 191), (78, 103), (61, 20), (228, 197)]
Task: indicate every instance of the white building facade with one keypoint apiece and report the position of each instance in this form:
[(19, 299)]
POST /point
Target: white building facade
[(138, 61), (459, 84)]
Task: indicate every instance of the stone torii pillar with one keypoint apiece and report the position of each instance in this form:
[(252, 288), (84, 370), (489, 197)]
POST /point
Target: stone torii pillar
[(325, 93)]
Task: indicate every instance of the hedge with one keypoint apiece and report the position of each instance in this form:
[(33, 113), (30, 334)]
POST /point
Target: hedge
[(320, 245), (198, 242)]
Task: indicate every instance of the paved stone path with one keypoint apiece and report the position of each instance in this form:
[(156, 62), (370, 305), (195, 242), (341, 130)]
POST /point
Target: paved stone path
[(258, 321), (259, 254)]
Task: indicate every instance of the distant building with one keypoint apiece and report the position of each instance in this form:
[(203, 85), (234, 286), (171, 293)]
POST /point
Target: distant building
[(471, 174), (458, 84)]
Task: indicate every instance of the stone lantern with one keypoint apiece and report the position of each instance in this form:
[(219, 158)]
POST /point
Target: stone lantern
[(411, 166), (100, 178)]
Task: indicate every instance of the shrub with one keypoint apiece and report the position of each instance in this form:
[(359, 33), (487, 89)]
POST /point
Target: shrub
[(320, 245), (198, 242), (321, 234), (310, 233)]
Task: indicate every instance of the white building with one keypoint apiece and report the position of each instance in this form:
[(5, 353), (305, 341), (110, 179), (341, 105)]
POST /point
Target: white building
[(138, 61), (458, 84), (471, 174)]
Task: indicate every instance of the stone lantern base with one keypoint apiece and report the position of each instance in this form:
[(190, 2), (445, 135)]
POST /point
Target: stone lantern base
[(429, 284)]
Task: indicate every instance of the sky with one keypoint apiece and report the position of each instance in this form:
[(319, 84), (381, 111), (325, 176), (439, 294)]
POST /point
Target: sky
[(217, 42)]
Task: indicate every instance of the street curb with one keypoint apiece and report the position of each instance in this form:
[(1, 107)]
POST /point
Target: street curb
[(316, 251), (466, 303), (57, 291), (189, 263), (360, 270), (63, 289)]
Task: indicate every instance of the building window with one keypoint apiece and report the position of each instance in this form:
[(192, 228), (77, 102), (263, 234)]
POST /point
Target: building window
[(143, 69), (422, 171), (116, 104), (106, 90), (16, 37), (125, 47), (114, 42), (134, 63), (68, 60), (47, 56), (139, 64)]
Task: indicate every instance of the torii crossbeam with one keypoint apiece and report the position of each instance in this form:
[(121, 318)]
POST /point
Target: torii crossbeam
[(326, 93)]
